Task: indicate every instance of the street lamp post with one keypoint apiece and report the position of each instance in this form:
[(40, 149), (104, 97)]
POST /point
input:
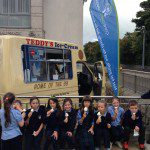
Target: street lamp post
[(143, 52)]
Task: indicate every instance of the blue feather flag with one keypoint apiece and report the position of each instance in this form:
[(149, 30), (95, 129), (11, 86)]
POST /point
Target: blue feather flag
[(105, 20)]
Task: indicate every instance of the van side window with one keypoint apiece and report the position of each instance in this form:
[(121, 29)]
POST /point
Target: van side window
[(46, 64)]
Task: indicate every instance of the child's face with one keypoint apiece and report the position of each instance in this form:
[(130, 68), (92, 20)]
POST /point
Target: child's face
[(115, 103), (52, 104), (67, 106), (133, 109), (16, 104), (86, 104), (101, 107), (34, 104)]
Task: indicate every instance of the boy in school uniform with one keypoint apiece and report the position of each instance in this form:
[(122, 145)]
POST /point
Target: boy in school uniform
[(132, 122)]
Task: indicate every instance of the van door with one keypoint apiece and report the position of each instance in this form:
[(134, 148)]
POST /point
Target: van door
[(100, 80), (85, 79)]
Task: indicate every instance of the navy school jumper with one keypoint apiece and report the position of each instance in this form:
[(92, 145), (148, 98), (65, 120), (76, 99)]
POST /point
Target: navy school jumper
[(67, 127), (129, 125), (34, 123), (101, 131), (52, 123)]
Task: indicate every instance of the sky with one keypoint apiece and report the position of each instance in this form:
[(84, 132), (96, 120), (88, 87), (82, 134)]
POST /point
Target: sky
[(126, 9)]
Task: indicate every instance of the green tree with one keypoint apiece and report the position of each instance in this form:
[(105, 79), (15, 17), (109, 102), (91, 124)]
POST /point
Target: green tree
[(92, 52), (125, 49), (143, 19), (131, 49)]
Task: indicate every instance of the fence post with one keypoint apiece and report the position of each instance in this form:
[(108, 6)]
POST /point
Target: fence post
[(122, 80), (135, 80), (26, 106)]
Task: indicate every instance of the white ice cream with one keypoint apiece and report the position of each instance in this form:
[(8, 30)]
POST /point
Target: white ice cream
[(24, 110), (116, 108), (52, 110), (85, 109), (136, 133), (66, 114), (99, 114)]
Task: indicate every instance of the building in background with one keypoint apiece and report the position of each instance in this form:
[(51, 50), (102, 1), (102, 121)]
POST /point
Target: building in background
[(60, 20)]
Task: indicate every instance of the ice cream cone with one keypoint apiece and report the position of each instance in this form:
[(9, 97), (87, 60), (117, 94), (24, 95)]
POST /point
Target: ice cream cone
[(85, 109), (99, 114), (66, 114), (24, 110)]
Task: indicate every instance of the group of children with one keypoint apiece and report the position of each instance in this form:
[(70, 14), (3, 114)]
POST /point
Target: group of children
[(83, 129)]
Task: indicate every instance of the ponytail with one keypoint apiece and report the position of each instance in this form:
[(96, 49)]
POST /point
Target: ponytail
[(8, 100)]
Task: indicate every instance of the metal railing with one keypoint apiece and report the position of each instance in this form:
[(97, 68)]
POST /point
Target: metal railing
[(94, 97), (143, 105), (137, 81)]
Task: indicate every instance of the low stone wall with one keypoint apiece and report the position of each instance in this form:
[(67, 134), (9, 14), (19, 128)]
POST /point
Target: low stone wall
[(136, 67)]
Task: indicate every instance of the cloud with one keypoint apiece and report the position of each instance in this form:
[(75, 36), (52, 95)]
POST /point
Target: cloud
[(126, 12)]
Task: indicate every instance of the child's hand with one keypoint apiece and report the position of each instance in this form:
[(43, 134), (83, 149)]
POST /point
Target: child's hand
[(66, 120), (137, 128), (17, 106), (84, 115), (116, 111), (108, 126), (55, 134), (23, 115), (69, 134), (91, 131), (48, 113), (133, 116), (35, 133), (98, 121), (30, 114)]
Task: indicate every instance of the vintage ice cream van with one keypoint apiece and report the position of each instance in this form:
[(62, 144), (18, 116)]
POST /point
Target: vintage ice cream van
[(31, 66)]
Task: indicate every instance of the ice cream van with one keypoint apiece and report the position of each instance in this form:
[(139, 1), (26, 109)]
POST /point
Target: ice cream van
[(33, 67)]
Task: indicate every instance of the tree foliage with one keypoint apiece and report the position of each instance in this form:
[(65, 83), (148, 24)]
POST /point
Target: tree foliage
[(131, 49), (143, 19), (92, 52), (131, 45)]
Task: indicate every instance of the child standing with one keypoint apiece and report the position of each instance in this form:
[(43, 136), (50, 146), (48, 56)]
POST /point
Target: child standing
[(102, 121), (34, 125), (18, 104), (85, 127), (117, 115), (67, 126), (132, 121), (11, 120), (52, 122)]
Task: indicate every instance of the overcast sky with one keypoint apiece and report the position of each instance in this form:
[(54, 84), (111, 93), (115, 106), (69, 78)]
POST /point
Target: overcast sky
[(126, 11)]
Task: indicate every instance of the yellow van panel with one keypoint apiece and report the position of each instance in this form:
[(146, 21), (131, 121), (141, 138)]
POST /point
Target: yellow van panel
[(11, 68)]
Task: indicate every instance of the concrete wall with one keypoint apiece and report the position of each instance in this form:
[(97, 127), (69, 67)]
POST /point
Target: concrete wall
[(60, 20), (63, 20), (36, 29)]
